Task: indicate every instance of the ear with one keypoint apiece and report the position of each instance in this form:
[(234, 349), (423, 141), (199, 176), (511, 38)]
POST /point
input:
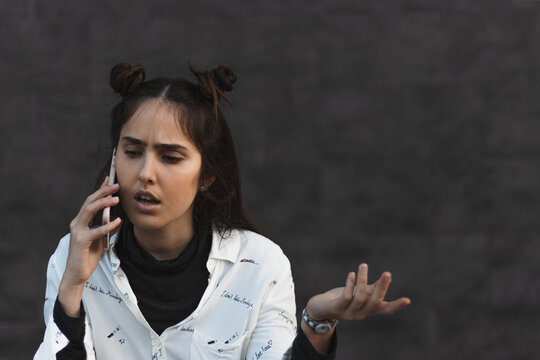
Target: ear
[(207, 183)]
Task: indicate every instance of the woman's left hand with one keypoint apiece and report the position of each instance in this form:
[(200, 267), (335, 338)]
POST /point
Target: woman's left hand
[(356, 300)]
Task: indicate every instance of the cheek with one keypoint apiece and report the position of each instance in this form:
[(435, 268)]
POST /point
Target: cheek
[(124, 170), (123, 194), (185, 185), (122, 178), (191, 176)]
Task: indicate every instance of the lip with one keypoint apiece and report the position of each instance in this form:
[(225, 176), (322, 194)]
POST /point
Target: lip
[(144, 206)]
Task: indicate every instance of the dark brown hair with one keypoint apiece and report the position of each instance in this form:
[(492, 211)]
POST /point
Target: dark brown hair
[(200, 117)]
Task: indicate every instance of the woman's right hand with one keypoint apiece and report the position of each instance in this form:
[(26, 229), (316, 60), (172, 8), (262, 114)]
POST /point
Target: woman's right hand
[(86, 247)]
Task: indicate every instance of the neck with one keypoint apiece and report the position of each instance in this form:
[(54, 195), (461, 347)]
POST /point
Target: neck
[(164, 243)]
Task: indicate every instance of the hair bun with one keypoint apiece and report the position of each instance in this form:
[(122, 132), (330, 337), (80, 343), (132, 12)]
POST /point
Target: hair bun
[(224, 77), (214, 83), (126, 79)]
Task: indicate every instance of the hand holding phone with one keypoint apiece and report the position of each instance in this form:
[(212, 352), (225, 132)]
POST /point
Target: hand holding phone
[(107, 210)]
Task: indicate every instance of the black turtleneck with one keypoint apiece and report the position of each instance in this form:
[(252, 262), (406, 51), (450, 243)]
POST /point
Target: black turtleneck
[(167, 291)]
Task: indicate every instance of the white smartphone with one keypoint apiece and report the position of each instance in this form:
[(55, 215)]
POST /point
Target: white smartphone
[(107, 210)]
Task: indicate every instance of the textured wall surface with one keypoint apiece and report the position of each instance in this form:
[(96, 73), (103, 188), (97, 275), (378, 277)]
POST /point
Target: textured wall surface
[(402, 133)]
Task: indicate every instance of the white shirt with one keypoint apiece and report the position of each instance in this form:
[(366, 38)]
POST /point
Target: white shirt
[(246, 312)]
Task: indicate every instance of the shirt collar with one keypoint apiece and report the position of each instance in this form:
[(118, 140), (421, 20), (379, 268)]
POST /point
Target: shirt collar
[(113, 259), (225, 247)]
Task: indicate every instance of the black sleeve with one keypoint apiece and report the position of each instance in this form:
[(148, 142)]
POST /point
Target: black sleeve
[(303, 350), (73, 329)]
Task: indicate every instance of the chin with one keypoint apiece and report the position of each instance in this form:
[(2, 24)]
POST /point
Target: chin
[(145, 222)]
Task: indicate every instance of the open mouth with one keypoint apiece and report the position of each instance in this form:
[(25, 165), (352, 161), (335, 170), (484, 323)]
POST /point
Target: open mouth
[(147, 199)]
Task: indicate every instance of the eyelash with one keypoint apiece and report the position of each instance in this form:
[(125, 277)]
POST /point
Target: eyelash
[(171, 159), (131, 153), (168, 159)]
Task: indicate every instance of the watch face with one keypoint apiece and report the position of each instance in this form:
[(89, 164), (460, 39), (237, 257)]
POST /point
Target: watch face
[(322, 328)]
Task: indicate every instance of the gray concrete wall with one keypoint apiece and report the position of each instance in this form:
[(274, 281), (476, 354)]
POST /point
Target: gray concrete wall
[(402, 133)]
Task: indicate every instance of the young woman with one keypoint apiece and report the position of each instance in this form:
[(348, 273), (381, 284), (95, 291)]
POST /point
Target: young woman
[(186, 275)]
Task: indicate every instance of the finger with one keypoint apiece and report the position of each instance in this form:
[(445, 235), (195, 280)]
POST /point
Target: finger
[(360, 294), (381, 287), (390, 307), (103, 191), (104, 229), (115, 230), (360, 291), (348, 292), (102, 203), (91, 209)]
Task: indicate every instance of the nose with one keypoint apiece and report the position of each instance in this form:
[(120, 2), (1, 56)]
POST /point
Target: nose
[(147, 172)]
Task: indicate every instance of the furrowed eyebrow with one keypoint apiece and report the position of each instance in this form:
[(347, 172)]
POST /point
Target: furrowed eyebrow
[(170, 147), (131, 140), (158, 146)]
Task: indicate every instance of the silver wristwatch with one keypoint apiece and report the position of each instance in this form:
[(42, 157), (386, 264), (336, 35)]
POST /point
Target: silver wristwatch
[(320, 327)]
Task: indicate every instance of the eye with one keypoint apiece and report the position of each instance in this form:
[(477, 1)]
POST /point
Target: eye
[(171, 159), (131, 153)]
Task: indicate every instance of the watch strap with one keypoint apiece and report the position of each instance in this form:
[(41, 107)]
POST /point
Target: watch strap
[(320, 327)]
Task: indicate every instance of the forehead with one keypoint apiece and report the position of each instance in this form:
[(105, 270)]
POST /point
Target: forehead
[(156, 121)]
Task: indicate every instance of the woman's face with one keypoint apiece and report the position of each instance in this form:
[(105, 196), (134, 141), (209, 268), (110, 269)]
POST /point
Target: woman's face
[(158, 169)]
